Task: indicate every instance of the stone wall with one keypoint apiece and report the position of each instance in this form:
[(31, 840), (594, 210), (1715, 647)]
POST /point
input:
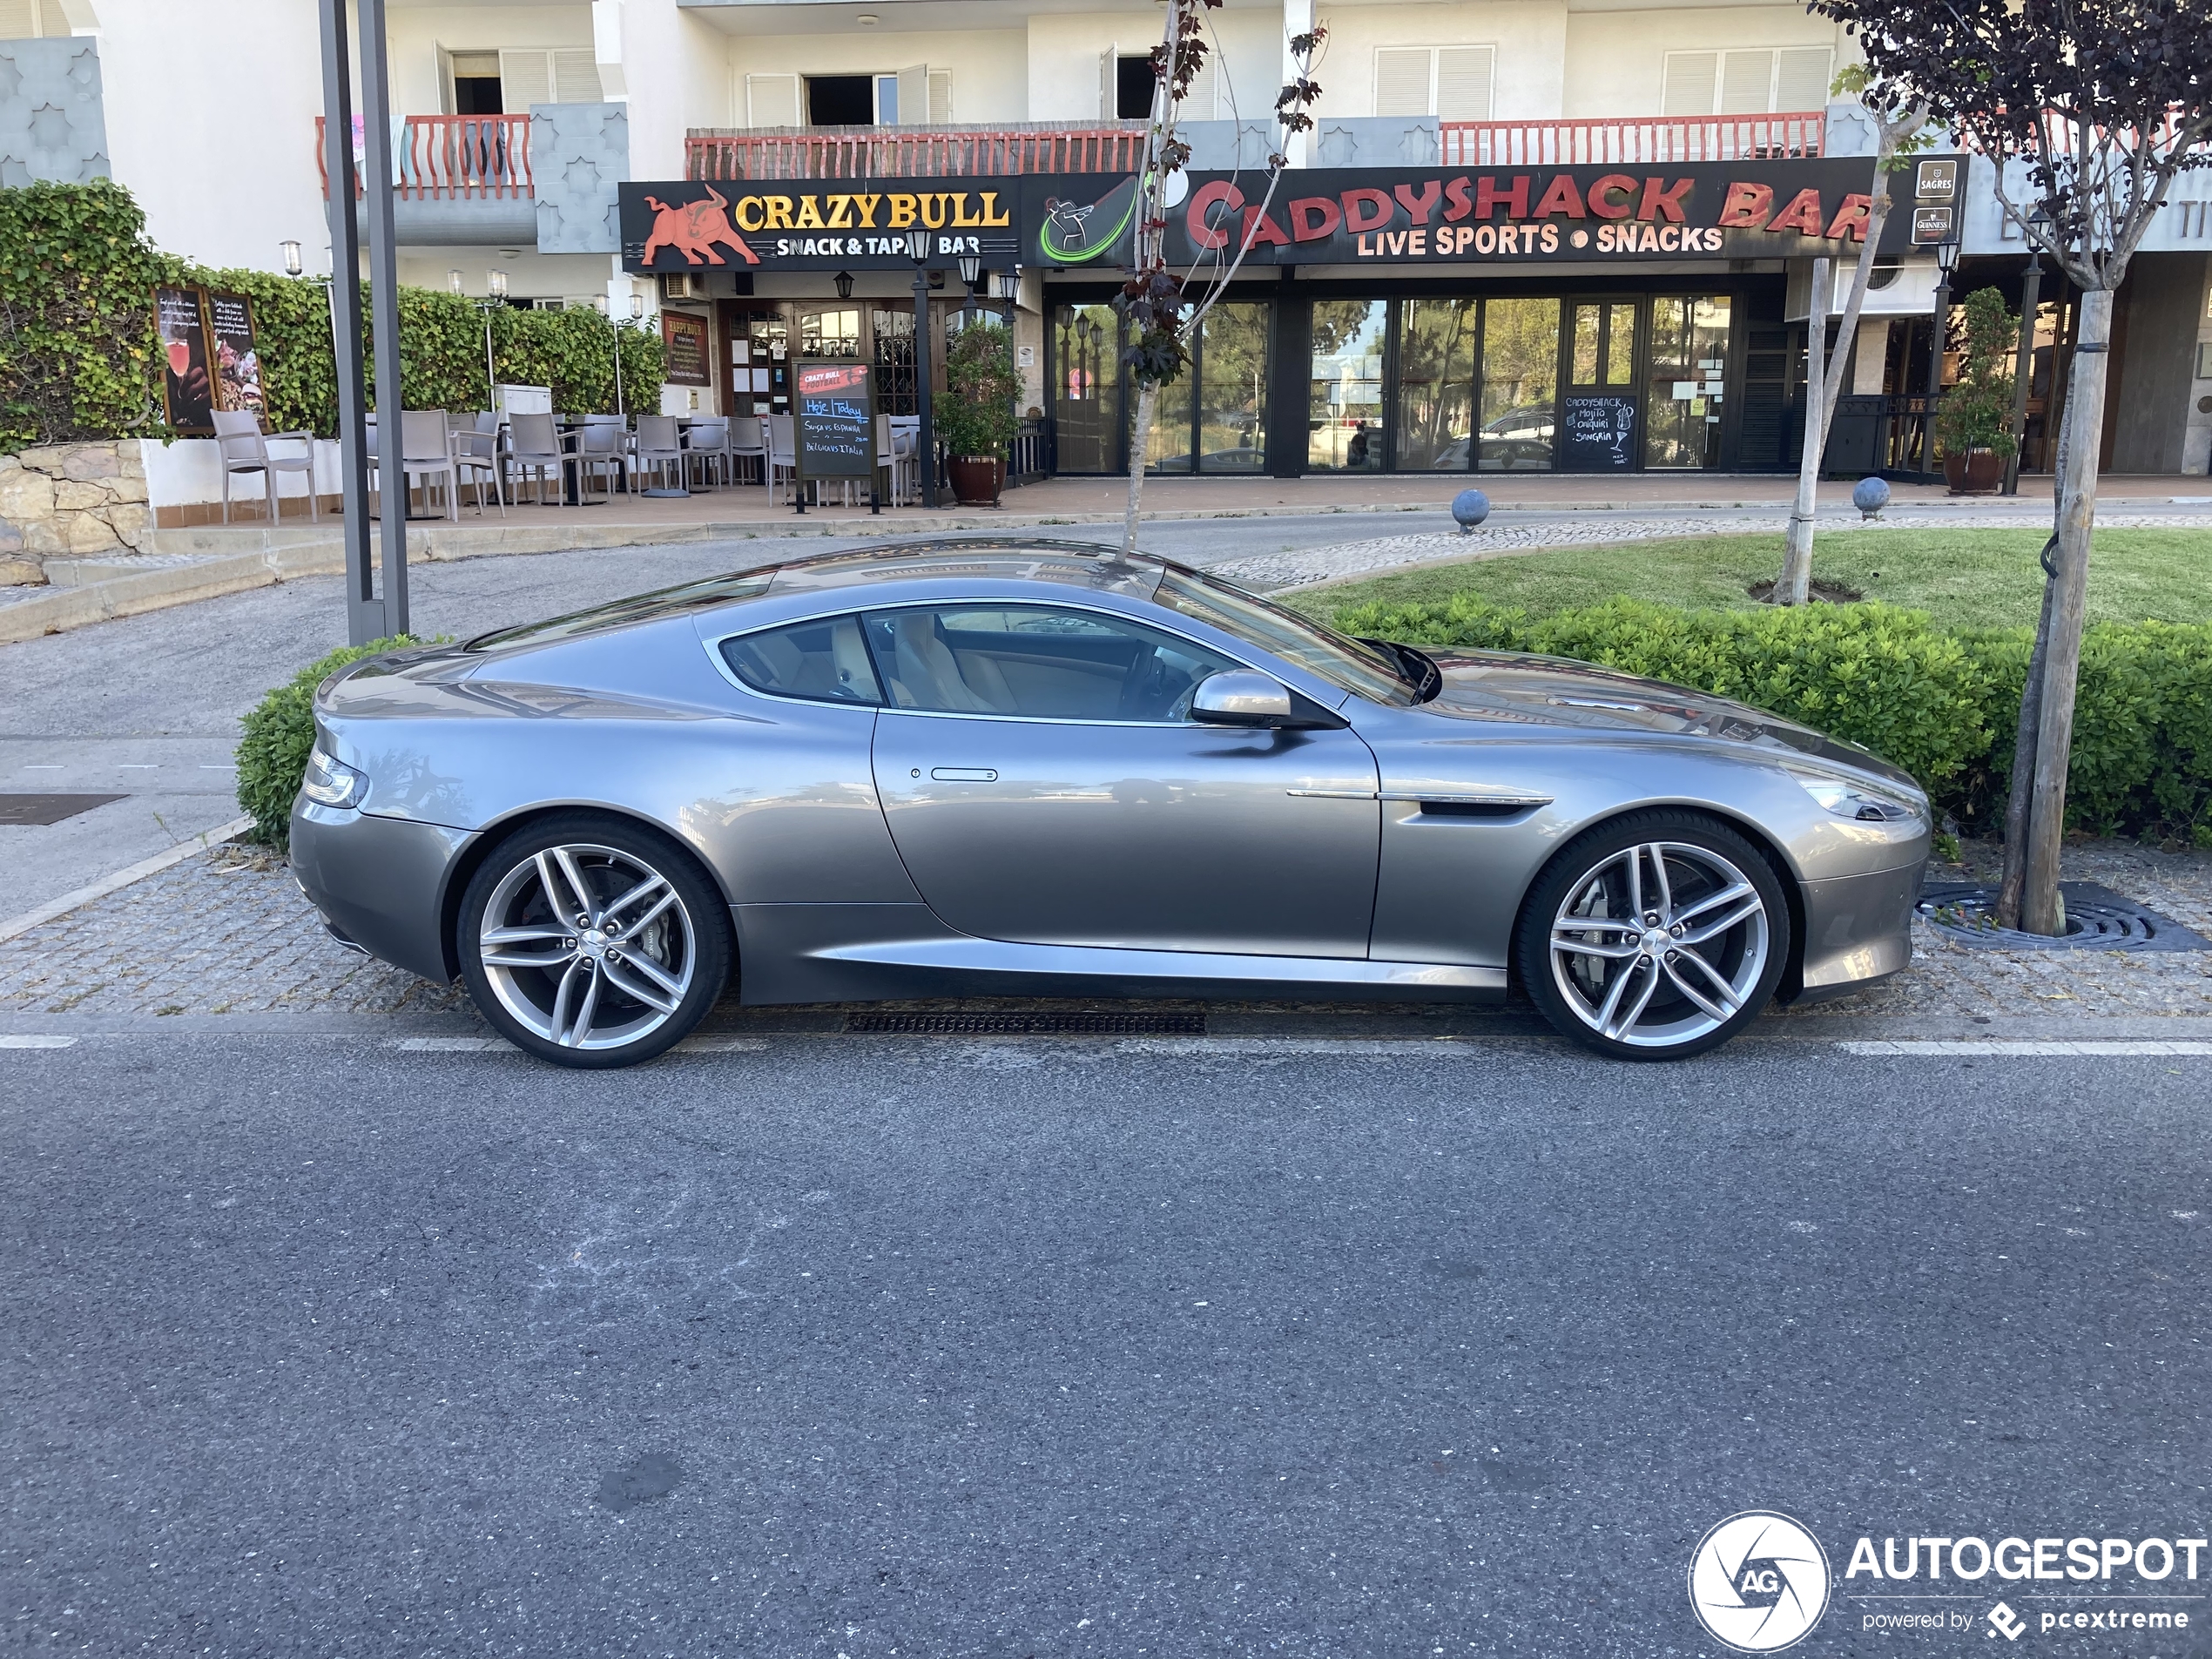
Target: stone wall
[(70, 500)]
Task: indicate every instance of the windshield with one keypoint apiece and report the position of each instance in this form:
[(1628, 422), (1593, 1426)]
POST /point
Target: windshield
[(1358, 668)]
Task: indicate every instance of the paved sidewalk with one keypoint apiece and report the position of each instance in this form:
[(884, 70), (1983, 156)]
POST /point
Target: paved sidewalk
[(227, 934)]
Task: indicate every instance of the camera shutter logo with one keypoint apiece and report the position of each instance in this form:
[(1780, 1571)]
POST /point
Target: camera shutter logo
[(1758, 1581)]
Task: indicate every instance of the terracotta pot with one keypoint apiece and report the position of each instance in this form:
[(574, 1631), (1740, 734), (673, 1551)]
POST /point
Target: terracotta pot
[(1976, 473), (977, 479)]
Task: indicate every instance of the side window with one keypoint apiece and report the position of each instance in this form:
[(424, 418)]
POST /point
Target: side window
[(1033, 662), (823, 660)]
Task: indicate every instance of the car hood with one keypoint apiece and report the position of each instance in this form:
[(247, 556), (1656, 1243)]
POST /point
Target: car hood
[(1555, 690)]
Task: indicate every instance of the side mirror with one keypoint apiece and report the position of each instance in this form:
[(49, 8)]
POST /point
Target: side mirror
[(1241, 696)]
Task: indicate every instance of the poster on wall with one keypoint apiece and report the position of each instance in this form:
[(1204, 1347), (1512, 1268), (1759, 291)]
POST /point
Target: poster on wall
[(684, 346), (188, 389), (238, 362)]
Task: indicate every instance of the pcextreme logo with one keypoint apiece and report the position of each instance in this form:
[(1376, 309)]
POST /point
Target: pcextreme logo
[(1758, 1581)]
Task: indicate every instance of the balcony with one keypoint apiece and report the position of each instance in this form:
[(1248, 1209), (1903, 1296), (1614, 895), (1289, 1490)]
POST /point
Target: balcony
[(462, 180), (915, 152), (1633, 141)]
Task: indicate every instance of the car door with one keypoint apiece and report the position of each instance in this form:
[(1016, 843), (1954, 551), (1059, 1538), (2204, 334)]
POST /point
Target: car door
[(1045, 784)]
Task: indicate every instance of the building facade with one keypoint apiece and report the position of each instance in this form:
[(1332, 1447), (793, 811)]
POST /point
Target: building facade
[(1449, 320)]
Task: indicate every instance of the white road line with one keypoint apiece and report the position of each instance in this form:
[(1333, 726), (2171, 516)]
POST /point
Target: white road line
[(36, 1042), (2029, 1046), (108, 884)]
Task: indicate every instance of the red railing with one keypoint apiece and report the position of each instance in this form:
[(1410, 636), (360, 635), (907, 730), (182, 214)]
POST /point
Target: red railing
[(878, 153), (452, 158), (1631, 140)]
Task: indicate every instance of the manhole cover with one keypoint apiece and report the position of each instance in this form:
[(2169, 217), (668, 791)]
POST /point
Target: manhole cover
[(48, 809), (1030, 1025), (2097, 919)]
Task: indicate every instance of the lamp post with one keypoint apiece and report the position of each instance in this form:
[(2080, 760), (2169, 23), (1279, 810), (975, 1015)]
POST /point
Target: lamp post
[(495, 299), (926, 438), (971, 271), (2024, 361), (1946, 261)]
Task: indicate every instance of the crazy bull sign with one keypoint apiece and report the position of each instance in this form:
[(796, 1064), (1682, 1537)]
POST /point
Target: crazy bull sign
[(1430, 218)]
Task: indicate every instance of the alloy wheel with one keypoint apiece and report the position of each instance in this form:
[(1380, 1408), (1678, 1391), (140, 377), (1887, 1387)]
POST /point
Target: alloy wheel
[(588, 946), (1659, 944)]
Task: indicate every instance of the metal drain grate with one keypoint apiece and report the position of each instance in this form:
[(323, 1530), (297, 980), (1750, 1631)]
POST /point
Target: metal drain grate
[(2097, 919), (1030, 1025)]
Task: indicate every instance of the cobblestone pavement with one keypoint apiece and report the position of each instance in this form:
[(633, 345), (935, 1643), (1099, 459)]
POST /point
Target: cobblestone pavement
[(228, 933), (1299, 567)]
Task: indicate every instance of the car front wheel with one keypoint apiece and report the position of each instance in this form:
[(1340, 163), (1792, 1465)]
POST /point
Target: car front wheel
[(591, 942), (1654, 937)]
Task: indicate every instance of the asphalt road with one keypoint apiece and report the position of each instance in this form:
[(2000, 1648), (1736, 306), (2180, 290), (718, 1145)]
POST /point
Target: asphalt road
[(874, 1347)]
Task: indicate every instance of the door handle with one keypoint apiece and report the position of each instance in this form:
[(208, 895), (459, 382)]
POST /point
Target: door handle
[(964, 774)]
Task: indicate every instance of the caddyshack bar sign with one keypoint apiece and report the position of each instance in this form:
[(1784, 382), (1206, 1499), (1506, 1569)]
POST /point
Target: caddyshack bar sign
[(1445, 216)]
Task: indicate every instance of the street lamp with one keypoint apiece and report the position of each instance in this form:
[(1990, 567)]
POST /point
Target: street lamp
[(1946, 254), (926, 437), (291, 252), (844, 280), (2024, 359), (453, 280), (599, 304), (971, 271), (495, 299)]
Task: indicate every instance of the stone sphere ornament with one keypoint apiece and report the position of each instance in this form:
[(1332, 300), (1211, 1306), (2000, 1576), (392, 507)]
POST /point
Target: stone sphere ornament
[(1470, 508), (1870, 496)]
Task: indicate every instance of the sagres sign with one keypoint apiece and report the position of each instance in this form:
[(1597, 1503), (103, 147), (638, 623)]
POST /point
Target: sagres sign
[(815, 225)]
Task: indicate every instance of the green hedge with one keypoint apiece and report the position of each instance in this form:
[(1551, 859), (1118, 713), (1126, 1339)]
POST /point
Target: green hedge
[(281, 734), (1940, 704), (79, 358)]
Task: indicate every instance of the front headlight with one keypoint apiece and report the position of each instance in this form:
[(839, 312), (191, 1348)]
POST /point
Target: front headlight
[(1848, 799), (330, 782)]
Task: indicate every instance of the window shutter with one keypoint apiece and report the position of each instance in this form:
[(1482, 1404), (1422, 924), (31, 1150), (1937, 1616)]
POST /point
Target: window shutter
[(575, 76), (1463, 76), (1691, 77), (19, 19), (772, 100), (525, 78), (1402, 80), (940, 97), (1804, 80), (1747, 82), (1109, 85), (1198, 103)]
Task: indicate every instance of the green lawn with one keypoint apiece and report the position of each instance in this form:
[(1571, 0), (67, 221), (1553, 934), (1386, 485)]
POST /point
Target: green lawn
[(1963, 578)]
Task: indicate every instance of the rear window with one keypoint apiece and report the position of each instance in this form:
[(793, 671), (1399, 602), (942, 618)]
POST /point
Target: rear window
[(825, 661), (643, 607)]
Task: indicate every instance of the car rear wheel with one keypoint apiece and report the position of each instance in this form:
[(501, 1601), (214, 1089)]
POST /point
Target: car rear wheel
[(1654, 937), (591, 942)]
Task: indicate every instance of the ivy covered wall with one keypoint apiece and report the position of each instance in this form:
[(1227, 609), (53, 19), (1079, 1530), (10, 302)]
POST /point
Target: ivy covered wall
[(79, 358)]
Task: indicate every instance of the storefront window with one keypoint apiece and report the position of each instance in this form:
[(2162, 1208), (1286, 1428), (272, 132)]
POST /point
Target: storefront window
[(1688, 364), (1086, 393), (1435, 384), (1520, 384), (894, 361), (829, 333), (1344, 409), (1232, 389), (1168, 446)]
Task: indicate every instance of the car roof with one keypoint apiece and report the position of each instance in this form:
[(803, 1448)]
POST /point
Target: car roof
[(1073, 565)]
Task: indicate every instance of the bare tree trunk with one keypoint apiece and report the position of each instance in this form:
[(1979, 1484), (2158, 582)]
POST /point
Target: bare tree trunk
[(2021, 787), (1794, 586), (1147, 395), (2040, 907)]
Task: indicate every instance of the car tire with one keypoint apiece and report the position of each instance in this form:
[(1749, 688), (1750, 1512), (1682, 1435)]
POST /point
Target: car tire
[(1656, 936), (592, 941)]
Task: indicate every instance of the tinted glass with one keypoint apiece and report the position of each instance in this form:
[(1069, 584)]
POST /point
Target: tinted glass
[(1435, 384), (1086, 393), (1033, 662), (1343, 398), (1232, 389), (1520, 384), (1346, 663), (1689, 365), (644, 607), (825, 660)]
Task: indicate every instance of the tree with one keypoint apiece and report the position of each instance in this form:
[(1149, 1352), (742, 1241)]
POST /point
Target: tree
[(1152, 299), (2087, 110), (1897, 133)]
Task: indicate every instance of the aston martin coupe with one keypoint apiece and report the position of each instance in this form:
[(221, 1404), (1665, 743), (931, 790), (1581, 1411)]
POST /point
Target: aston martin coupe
[(1017, 767)]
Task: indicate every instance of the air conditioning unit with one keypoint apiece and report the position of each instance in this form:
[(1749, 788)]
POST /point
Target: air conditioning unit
[(682, 285)]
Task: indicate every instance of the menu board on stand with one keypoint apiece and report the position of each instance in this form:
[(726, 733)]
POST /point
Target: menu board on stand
[(834, 425), (188, 387), (238, 359)]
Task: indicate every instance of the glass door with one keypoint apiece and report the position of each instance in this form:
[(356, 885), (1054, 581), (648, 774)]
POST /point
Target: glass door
[(1520, 384), (1087, 387), (1436, 342), (1684, 388), (1345, 399)]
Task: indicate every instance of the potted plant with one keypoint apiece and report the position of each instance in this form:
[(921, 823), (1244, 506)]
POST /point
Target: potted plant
[(1974, 420), (976, 418)]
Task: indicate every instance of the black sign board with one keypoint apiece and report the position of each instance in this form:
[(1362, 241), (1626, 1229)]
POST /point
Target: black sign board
[(188, 387), (835, 406), (1597, 432)]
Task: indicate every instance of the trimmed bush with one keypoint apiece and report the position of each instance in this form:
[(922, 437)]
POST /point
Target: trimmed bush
[(280, 735), (1940, 703)]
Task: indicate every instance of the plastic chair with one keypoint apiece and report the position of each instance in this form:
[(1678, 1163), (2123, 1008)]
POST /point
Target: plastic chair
[(707, 447), (427, 453), (894, 451), (748, 448), (238, 436), (782, 458), (536, 445), (659, 446), (476, 452), (605, 449)]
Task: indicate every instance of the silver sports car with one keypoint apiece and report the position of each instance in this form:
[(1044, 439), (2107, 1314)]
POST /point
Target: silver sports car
[(1004, 767)]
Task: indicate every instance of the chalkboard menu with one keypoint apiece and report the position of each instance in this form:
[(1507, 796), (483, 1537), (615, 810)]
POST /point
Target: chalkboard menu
[(1599, 433), (835, 406)]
